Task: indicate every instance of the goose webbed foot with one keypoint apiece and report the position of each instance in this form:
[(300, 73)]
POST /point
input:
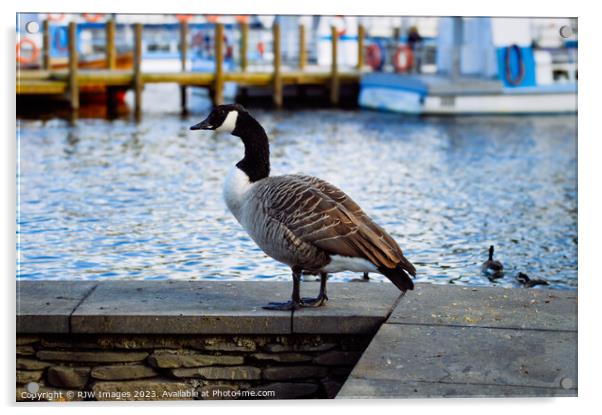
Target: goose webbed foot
[(314, 302), (285, 306), (295, 301), (321, 299)]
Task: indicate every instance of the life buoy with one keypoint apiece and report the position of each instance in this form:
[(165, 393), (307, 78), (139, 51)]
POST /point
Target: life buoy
[(261, 48), (242, 18), (92, 17), (35, 51), (408, 59), (212, 18), (59, 17), (375, 57), (514, 80), (183, 17)]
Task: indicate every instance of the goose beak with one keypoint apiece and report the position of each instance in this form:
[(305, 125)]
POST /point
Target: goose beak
[(203, 125)]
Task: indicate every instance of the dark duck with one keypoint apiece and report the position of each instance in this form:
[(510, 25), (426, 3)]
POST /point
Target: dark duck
[(528, 282), (302, 221)]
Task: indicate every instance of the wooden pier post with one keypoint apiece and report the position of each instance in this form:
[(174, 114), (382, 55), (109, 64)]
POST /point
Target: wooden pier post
[(111, 64), (137, 70), (110, 53), (302, 50), (244, 40), (277, 98), (45, 45), (361, 34), (183, 59), (334, 72), (73, 85), (218, 85)]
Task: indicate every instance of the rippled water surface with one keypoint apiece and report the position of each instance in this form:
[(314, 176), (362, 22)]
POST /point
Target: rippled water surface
[(116, 200)]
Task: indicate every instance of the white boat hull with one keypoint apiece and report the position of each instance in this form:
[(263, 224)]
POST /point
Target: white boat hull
[(397, 100)]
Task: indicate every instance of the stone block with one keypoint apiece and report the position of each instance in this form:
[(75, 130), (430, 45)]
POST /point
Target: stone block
[(299, 347), (479, 356), (165, 359), (394, 389), (46, 306), (182, 307), (123, 372), (23, 339), (282, 357), (32, 364), (540, 309), (68, 377), (26, 350), (100, 356), (26, 376)]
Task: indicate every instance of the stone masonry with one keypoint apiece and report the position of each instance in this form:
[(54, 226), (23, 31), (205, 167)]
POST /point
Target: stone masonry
[(143, 367)]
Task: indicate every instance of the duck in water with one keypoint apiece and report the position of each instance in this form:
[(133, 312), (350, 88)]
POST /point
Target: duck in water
[(528, 282)]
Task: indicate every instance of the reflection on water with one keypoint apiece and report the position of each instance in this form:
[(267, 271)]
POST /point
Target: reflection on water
[(115, 200)]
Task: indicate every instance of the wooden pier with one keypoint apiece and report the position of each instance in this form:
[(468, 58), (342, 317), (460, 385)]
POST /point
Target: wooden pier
[(67, 82)]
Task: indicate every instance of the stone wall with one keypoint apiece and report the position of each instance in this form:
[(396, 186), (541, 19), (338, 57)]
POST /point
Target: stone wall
[(147, 367)]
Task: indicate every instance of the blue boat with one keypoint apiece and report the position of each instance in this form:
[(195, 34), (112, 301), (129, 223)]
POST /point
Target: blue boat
[(485, 66)]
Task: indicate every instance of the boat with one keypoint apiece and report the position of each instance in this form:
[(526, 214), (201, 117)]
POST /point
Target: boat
[(485, 66)]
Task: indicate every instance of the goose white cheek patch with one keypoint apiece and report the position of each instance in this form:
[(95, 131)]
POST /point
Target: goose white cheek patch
[(229, 123)]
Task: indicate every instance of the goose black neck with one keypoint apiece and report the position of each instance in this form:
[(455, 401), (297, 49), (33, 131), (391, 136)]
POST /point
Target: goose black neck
[(491, 253), (256, 163)]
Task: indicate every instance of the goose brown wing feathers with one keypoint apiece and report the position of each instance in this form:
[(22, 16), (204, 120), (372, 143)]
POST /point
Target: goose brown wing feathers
[(319, 213)]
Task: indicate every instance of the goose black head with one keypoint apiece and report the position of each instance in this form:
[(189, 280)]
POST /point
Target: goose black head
[(222, 118)]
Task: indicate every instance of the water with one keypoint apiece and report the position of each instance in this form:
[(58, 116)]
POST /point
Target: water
[(115, 200)]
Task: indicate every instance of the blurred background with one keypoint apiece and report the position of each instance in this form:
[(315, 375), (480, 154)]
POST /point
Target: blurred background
[(452, 133)]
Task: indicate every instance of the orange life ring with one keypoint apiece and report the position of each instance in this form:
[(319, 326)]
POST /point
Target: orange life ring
[(92, 17), (409, 59), (35, 51), (183, 17), (242, 18), (374, 57), (58, 18), (212, 18)]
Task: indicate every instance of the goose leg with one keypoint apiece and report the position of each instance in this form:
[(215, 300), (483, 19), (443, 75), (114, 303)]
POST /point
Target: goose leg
[(366, 277), (322, 297), (295, 301)]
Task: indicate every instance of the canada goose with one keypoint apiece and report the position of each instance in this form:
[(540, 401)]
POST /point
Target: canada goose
[(301, 221), (491, 267)]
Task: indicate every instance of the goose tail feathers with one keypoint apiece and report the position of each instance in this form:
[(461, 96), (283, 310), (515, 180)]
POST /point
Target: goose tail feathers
[(399, 275)]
